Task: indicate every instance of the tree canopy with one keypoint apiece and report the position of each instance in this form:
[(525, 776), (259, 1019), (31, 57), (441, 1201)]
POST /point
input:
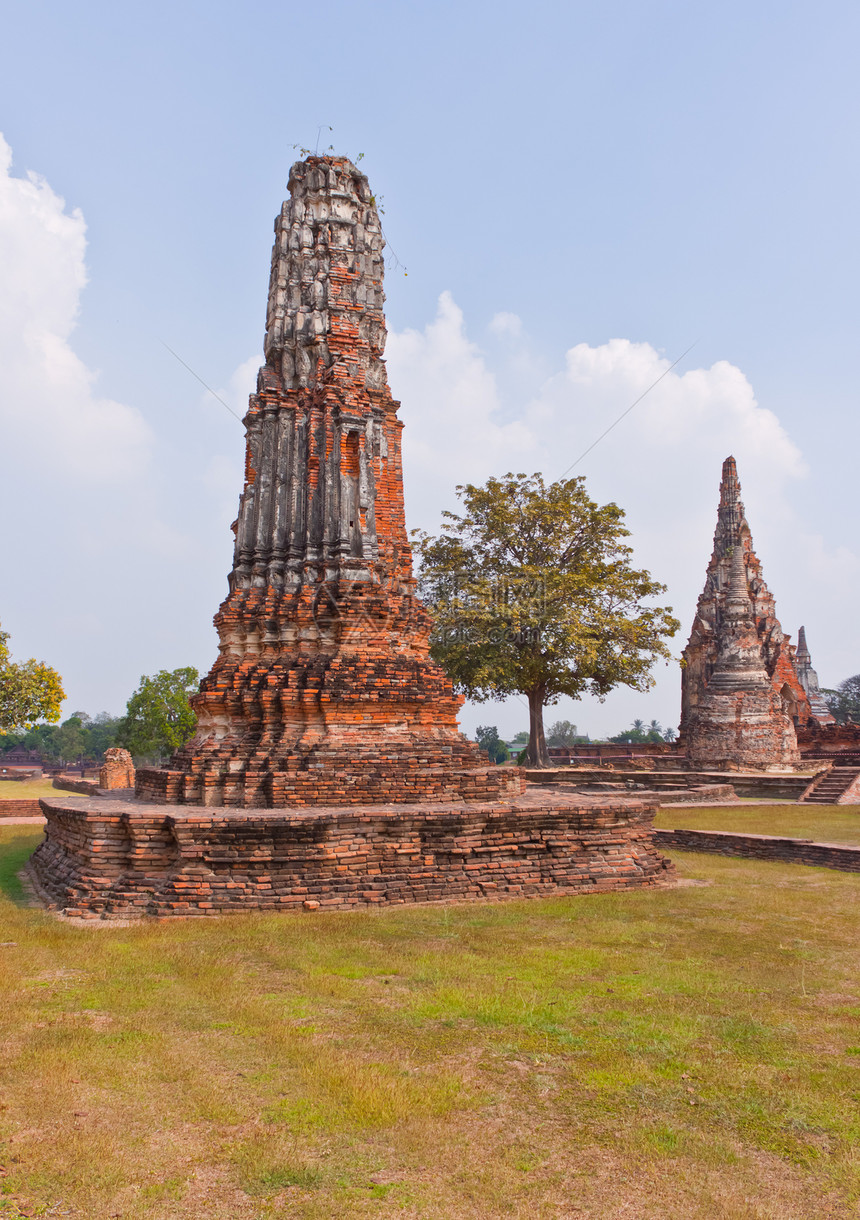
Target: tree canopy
[(30, 691), (562, 734), (533, 592), (487, 737), (844, 702), (641, 733), (158, 718)]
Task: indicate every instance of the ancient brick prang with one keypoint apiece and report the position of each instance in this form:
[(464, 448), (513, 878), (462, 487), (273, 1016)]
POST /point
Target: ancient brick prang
[(808, 679), (740, 692), (117, 770), (324, 692)]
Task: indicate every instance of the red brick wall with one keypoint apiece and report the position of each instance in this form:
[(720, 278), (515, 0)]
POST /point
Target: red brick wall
[(19, 809), (762, 847), (114, 858)]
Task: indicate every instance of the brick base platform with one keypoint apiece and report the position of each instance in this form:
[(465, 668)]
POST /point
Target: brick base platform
[(110, 858)]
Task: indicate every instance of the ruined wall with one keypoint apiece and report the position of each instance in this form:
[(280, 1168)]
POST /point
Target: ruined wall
[(762, 847), (20, 808), (119, 858)]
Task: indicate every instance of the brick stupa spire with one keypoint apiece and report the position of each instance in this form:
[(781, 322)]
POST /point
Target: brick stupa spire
[(808, 679), (740, 693), (324, 692)]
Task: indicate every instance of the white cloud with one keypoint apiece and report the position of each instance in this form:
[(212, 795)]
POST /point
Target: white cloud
[(101, 540), (48, 404), (451, 408), (506, 325)]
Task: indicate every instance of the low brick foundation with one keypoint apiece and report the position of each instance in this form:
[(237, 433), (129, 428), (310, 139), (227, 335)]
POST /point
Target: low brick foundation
[(762, 847), (118, 858), (89, 787), (20, 809)]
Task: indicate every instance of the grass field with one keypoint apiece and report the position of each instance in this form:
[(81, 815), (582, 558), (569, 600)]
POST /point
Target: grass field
[(692, 1052), (24, 789), (823, 823)]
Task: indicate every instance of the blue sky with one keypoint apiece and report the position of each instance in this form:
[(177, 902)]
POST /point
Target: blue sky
[(578, 192)]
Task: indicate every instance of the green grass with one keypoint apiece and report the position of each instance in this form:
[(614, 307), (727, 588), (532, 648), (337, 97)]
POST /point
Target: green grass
[(25, 789), (691, 1052), (823, 823)]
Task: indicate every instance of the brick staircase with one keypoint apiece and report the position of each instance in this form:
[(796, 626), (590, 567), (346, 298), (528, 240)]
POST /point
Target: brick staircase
[(832, 786)]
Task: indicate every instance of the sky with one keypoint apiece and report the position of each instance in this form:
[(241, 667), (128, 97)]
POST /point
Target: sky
[(574, 196)]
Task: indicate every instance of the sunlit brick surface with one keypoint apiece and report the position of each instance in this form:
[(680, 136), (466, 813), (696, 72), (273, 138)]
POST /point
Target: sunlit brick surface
[(119, 858), (324, 692)]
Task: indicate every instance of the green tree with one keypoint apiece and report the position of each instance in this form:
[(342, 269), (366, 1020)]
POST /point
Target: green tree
[(630, 737), (30, 691), (640, 734), (533, 593), (562, 734), (844, 702), (487, 737), (158, 718), (100, 731), (69, 741)]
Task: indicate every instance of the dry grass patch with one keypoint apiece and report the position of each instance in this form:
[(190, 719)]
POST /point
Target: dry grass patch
[(26, 789), (691, 1052)]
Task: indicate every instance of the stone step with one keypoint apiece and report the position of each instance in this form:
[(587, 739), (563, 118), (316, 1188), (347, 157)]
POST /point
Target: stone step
[(834, 785)]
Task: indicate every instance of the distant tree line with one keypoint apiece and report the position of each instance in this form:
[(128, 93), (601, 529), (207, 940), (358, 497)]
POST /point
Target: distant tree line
[(844, 702), (641, 734), (157, 721)]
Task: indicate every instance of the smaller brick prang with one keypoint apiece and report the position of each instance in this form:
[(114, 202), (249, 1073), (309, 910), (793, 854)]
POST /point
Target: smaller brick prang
[(117, 770)]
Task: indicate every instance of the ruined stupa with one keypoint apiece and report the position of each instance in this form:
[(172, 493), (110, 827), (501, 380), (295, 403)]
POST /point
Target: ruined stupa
[(808, 679), (740, 693), (327, 768), (324, 691)]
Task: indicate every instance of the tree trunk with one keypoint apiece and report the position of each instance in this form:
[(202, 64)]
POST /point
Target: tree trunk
[(537, 754)]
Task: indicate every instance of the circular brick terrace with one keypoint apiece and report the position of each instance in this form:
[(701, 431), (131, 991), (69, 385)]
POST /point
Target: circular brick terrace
[(114, 858)]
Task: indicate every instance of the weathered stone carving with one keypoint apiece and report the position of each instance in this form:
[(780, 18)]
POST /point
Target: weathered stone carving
[(741, 696), (324, 692)]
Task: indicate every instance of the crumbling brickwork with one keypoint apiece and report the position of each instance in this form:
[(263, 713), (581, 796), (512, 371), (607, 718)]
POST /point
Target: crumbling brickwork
[(117, 770), (157, 860), (20, 808), (763, 847), (327, 768), (820, 713), (741, 696), (324, 691)]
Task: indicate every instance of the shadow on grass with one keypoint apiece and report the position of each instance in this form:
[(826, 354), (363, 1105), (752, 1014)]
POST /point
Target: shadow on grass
[(15, 850)]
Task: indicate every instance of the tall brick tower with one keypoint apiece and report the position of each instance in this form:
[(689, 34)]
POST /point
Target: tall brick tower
[(324, 692), (327, 769), (740, 693)]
